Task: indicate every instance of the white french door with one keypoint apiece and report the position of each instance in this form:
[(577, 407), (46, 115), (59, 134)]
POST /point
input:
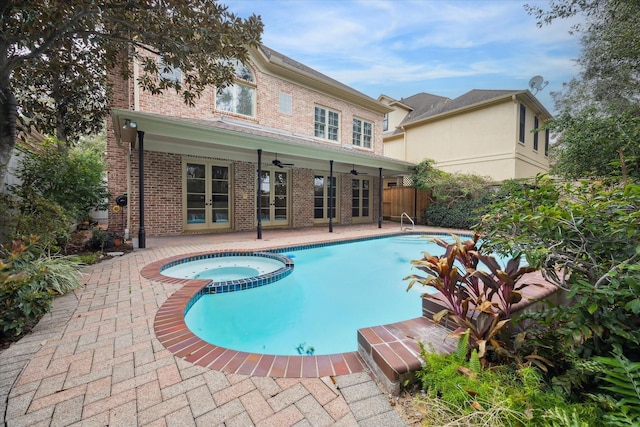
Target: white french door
[(360, 199), (321, 191), (206, 195), (274, 209)]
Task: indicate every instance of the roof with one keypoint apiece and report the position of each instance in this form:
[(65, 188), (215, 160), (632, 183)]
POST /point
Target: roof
[(283, 65), (426, 105)]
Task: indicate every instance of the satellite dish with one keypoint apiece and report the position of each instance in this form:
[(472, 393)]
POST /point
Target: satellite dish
[(537, 83)]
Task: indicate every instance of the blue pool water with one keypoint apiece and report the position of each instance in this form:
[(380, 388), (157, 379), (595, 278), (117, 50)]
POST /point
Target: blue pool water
[(331, 293), (224, 268)]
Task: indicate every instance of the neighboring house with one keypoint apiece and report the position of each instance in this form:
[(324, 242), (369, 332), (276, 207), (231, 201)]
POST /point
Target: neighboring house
[(281, 123), (484, 132)]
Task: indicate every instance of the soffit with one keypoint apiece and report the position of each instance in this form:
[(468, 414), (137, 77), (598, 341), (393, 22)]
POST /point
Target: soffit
[(240, 141)]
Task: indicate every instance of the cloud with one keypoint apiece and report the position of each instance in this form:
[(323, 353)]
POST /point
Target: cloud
[(417, 43)]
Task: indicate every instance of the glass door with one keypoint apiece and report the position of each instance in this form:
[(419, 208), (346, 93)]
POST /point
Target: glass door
[(274, 197), (360, 199), (206, 196), (321, 198)]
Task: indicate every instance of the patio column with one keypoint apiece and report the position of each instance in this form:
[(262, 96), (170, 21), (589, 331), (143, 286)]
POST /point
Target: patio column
[(259, 213), (330, 196), (142, 238), (379, 197)]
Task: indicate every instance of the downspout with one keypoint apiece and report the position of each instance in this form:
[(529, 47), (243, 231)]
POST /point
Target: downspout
[(136, 107), (128, 226)]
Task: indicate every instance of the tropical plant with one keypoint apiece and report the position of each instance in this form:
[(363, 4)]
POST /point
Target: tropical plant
[(475, 300)]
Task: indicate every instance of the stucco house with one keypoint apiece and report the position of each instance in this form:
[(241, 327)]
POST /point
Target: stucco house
[(484, 132), (258, 154)]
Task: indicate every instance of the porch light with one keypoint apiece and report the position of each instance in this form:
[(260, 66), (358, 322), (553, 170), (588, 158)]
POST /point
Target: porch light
[(129, 131)]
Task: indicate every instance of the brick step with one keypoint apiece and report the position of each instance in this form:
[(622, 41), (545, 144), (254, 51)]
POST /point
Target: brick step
[(392, 350)]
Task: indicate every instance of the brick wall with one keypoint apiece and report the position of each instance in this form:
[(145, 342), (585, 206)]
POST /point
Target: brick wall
[(162, 193), (244, 190), (163, 171), (301, 202)]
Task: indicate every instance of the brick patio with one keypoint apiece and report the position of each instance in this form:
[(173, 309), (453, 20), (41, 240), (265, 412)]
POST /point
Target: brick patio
[(96, 359)]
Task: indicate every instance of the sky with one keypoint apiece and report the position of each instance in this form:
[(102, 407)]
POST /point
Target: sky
[(403, 47)]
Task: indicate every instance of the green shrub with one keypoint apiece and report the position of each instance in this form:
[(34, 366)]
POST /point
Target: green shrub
[(29, 278), (72, 177), (620, 389), (33, 214), (89, 258), (21, 304), (464, 214), (458, 392)]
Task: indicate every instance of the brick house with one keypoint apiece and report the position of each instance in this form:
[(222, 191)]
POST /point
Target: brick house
[(484, 132), (258, 154)]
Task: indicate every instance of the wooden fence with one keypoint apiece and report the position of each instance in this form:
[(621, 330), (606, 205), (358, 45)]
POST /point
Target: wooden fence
[(396, 200)]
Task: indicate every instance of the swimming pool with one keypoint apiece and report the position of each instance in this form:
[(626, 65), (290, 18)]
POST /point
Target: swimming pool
[(333, 291)]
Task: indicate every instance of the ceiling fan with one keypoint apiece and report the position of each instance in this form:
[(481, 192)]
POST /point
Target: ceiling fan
[(279, 164), (353, 171)]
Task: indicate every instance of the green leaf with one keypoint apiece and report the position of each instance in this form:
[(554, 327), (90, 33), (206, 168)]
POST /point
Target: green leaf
[(633, 306)]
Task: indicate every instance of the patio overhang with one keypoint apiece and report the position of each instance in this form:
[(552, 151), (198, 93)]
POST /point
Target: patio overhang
[(239, 141)]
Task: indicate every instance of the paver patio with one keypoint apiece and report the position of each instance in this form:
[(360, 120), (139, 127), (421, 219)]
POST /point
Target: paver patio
[(95, 359)]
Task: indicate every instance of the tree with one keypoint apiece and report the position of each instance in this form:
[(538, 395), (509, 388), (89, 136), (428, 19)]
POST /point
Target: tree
[(610, 57), (54, 57), (597, 145)]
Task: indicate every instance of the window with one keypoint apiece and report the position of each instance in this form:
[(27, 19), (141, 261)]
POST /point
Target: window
[(239, 97), (326, 124), (523, 115), (284, 103), (166, 71), (362, 133), (385, 122), (546, 142), (536, 124)]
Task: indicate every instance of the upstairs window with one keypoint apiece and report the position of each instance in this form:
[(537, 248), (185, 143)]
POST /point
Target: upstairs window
[(536, 124), (285, 103), (385, 122), (523, 115), (362, 133), (166, 71), (546, 142), (239, 97), (326, 124)]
